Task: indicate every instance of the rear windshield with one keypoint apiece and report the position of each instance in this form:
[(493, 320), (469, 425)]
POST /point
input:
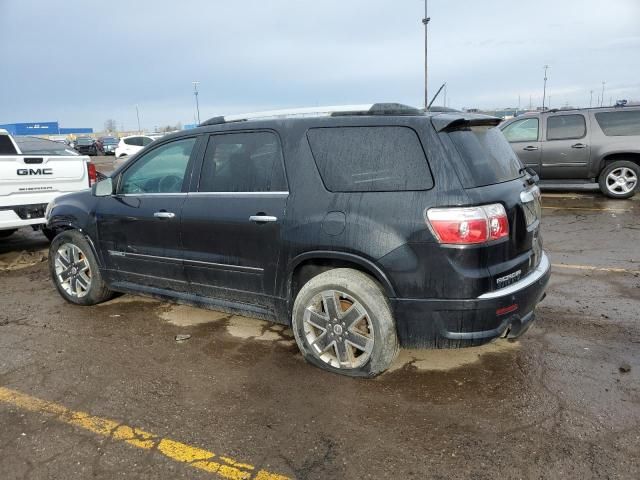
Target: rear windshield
[(84, 141), (615, 124), (486, 155), (370, 159), (41, 146)]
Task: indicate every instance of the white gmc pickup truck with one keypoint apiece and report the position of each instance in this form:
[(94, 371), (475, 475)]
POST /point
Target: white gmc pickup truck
[(29, 181)]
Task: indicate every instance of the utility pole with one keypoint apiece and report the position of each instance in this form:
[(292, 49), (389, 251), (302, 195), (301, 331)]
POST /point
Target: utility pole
[(530, 103), (444, 99), (544, 90), (549, 106), (138, 115), (425, 22), (195, 93), (590, 98), (602, 96)]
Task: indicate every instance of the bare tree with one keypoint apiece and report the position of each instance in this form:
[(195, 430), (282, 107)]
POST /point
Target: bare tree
[(110, 125)]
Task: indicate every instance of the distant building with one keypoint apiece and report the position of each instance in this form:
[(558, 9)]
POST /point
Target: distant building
[(42, 128)]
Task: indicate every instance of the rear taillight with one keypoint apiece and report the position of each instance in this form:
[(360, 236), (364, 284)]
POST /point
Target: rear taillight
[(93, 175), (469, 225)]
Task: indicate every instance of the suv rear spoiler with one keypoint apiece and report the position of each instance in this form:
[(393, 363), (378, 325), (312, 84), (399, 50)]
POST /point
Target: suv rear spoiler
[(448, 122)]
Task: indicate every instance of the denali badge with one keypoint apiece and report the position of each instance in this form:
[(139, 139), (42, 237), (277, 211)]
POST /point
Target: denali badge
[(35, 171), (508, 279)]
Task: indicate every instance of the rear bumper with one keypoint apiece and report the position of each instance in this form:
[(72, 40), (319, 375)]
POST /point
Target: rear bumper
[(429, 323)]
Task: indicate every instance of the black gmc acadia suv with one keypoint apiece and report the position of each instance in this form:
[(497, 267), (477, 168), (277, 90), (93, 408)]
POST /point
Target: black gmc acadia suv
[(365, 229)]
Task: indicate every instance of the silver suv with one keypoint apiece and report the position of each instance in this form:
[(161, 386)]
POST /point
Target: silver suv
[(581, 147)]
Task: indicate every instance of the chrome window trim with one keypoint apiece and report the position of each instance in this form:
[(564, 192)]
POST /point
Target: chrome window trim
[(565, 164), (179, 194), (244, 194), (542, 268)]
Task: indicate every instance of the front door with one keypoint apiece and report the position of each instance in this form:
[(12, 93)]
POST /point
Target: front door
[(139, 226), (232, 218), (566, 149), (524, 137)]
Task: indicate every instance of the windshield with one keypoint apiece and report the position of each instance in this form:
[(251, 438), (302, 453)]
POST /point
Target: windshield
[(110, 141), (487, 156), (84, 141)]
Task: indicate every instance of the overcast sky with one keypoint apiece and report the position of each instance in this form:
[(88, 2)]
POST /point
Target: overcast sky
[(81, 62)]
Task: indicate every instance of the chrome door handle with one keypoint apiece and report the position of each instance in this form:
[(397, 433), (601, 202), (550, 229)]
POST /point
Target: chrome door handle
[(262, 218), (530, 148), (164, 214), (579, 145)]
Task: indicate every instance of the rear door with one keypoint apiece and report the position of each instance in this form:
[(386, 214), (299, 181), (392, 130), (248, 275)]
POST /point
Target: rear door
[(566, 147), (232, 218), (524, 137), (139, 226)]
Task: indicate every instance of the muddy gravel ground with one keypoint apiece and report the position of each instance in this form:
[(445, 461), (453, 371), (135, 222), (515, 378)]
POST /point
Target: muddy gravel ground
[(563, 402)]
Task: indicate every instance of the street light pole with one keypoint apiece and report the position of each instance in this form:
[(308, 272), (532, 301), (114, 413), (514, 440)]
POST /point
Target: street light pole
[(544, 90), (138, 115), (602, 96), (425, 22), (195, 93), (590, 98)]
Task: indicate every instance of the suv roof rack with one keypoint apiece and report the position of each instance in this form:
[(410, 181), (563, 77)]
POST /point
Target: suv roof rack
[(334, 111)]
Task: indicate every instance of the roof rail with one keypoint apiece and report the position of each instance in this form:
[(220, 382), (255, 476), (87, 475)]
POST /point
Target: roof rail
[(336, 110)]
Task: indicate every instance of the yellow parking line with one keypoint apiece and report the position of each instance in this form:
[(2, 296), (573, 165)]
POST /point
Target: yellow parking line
[(594, 268), (617, 210), (223, 467)]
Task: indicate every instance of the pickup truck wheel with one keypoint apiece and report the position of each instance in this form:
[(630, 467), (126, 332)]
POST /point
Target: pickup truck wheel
[(75, 271), (620, 179), (343, 323), (7, 233)]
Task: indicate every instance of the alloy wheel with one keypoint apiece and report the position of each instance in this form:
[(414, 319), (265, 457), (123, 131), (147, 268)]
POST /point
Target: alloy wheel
[(73, 270), (338, 329), (621, 180)]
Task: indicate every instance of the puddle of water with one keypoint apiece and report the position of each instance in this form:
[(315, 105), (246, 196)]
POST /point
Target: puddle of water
[(185, 316), (128, 299), (244, 327), (447, 359), (22, 259)]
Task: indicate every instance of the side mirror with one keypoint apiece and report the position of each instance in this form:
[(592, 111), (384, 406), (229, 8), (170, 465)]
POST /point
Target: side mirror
[(103, 188)]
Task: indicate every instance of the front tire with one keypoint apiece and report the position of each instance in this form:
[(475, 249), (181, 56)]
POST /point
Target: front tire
[(620, 179), (74, 270), (343, 323)]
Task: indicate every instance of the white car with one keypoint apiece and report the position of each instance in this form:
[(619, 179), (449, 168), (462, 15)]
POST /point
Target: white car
[(30, 179), (132, 144)]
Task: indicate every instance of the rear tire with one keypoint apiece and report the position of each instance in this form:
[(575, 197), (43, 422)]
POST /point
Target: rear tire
[(74, 270), (7, 233), (342, 323), (620, 179)]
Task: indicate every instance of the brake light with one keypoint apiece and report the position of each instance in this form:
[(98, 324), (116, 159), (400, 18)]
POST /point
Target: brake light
[(93, 174), (469, 225)]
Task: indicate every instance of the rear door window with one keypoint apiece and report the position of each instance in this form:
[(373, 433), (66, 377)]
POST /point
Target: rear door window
[(566, 127), (144, 141), (243, 162), (487, 157), (135, 141), (370, 159), (615, 124), (525, 130)]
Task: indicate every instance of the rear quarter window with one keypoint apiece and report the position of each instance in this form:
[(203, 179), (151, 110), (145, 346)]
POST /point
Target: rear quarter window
[(619, 124), (370, 159), (487, 157)]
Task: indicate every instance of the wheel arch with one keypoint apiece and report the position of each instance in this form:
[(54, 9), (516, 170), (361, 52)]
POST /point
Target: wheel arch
[(307, 265), (619, 156)]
